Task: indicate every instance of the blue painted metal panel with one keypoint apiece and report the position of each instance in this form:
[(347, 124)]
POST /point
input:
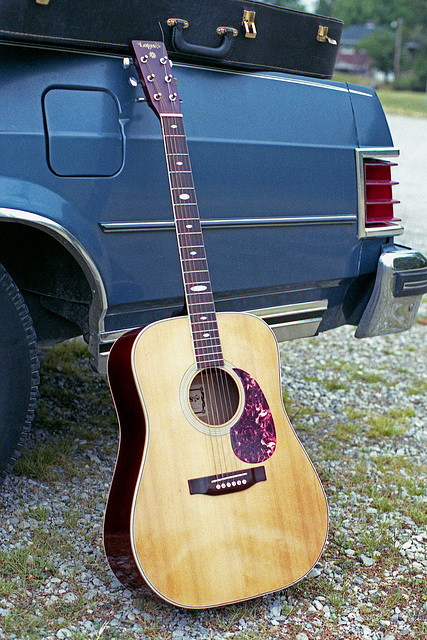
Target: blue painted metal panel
[(278, 148), (371, 124), (83, 132)]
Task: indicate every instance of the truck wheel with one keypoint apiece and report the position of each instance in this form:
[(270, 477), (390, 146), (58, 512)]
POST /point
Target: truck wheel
[(19, 372)]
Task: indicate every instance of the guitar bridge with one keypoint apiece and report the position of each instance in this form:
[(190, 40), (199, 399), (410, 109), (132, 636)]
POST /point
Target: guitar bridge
[(222, 483)]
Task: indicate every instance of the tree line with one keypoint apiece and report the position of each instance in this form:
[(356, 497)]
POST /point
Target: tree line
[(399, 42)]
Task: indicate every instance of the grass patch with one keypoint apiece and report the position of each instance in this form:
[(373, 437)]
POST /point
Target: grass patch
[(412, 103), (386, 426), (418, 387), (334, 384), (346, 430), (44, 461)]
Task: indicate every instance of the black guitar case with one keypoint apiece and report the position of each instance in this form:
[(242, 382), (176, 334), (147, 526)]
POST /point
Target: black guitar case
[(225, 33)]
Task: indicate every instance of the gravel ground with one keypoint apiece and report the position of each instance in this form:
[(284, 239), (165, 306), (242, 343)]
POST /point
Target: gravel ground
[(360, 410)]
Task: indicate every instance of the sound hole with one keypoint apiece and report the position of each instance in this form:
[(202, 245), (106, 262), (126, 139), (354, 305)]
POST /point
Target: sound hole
[(214, 396)]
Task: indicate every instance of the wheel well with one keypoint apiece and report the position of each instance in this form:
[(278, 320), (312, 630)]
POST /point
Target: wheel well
[(53, 284)]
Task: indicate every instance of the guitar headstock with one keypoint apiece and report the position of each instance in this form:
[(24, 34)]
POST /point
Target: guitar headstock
[(155, 71)]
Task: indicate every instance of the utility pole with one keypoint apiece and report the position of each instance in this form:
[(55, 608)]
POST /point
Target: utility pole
[(398, 47)]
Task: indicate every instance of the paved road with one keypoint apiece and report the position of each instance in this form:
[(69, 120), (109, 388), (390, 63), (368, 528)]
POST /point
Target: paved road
[(410, 136)]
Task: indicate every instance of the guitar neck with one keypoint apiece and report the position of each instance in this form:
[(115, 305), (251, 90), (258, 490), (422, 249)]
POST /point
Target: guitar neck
[(194, 266)]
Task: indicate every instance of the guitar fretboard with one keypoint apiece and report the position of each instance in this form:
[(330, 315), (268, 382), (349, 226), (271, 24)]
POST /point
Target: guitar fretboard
[(194, 266)]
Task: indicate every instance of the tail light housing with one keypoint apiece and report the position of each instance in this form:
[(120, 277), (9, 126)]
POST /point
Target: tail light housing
[(375, 193)]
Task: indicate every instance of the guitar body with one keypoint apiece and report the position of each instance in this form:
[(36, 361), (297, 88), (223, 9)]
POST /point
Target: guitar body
[(263, 525)]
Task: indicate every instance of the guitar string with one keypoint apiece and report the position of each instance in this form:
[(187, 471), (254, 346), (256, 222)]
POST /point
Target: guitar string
[(216, 385), (211, 387), (172, 152), (220, 386), (211, 377)]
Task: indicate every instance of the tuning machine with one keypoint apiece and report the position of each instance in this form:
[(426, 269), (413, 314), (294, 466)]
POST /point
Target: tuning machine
[(134, 83)]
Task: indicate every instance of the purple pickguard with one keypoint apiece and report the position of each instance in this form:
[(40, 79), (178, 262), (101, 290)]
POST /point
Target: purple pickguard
[(253, 437)]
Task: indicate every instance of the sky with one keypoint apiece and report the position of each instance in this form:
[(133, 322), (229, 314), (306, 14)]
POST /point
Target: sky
[(310, 4)]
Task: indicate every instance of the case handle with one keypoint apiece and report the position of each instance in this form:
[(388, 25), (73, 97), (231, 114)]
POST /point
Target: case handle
[(227, 33)]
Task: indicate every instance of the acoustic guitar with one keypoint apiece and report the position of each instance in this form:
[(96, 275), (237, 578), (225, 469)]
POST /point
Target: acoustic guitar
[(213, 499)]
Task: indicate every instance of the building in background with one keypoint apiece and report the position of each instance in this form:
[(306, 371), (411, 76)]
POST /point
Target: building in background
[(350, 57)]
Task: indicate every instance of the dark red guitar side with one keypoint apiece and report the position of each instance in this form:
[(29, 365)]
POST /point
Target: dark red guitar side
[(117, 541)]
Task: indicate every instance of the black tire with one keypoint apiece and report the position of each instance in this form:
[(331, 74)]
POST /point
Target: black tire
[(19, 373)]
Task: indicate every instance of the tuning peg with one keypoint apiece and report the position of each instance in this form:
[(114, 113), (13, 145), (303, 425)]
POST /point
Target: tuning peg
[(133, 82), (127, 62)]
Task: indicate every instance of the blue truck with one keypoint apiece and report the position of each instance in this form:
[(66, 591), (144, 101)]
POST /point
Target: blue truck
[(294, 176)]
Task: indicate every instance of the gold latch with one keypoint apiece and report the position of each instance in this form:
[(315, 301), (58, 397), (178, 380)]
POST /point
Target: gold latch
[(172, 22), (249, 23), (42, 1), (322, 35), (221, 31)]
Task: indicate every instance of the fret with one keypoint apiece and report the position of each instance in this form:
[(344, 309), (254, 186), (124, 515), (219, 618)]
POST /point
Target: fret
[(208, 357), (204, 324), (206, 338), (196, 287), (193, 252), (211, 357), (191, 239), (192, 260), (198, 274), (212, 331), (198, 304), (183, 197), (216, 360), (189, 221), (175, 146), (210, 340), (189, 204), (179, 164), (181, 180)]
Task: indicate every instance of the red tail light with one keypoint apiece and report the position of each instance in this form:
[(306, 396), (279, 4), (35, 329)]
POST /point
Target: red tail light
[(379, 201)]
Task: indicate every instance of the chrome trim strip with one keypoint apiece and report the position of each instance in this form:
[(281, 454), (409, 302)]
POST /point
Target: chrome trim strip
[(291, 309), (304, 80), (363, 231), (287, 327), (167, 225), (98, 307)]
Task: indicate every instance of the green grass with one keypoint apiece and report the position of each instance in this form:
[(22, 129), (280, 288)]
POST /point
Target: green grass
[(404, 102), (412, 103)]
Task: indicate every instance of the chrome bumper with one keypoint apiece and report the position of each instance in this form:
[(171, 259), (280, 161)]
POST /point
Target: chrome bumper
[(399, 287)]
